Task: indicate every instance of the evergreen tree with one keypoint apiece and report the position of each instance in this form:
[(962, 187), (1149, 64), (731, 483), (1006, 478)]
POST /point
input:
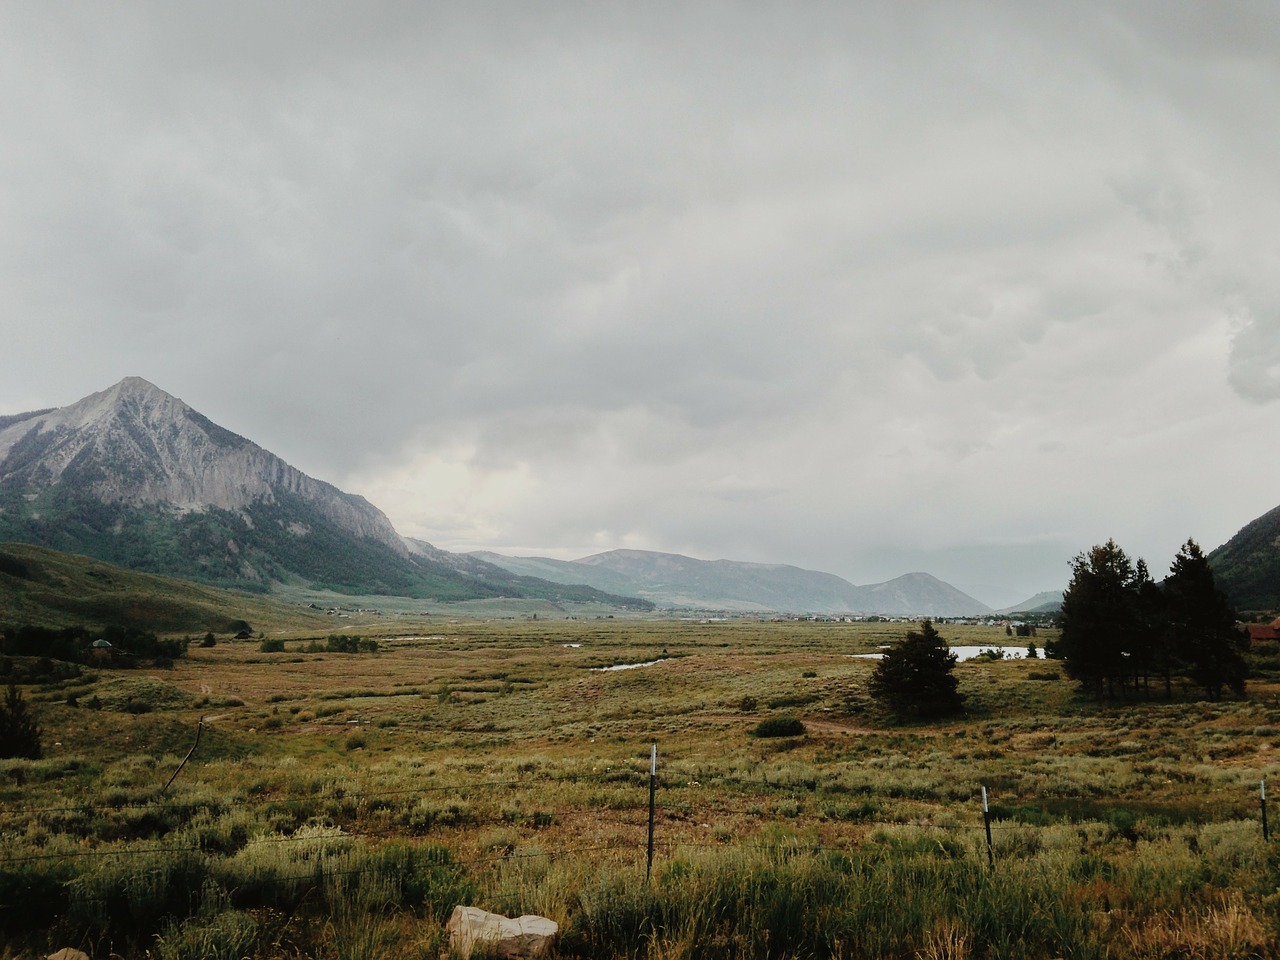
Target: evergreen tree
[(1201, 625), (916, 675), (1149, 651), (19, 734), (1101, 622)]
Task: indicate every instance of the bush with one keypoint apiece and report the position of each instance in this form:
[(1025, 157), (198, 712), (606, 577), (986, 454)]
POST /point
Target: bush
[(916, 676), (779, 727), (121, 897), (223, 936), (342, 643), (19, 732), (272, 645)]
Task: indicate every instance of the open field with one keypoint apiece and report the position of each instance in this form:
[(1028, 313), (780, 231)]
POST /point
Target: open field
[(339, 805)]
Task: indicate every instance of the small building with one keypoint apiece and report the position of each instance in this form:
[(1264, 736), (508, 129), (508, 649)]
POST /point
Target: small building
[(102, 650), (1263, 631)]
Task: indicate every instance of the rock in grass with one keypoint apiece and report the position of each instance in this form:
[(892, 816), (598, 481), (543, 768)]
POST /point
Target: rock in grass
[(69, 953), (495, 935)]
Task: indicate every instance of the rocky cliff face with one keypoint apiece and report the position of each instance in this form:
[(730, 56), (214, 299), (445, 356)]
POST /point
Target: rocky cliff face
[(135, 445)]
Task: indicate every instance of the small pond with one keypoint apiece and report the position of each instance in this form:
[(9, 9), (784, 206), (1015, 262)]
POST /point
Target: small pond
[(628, 666), (964, 652)]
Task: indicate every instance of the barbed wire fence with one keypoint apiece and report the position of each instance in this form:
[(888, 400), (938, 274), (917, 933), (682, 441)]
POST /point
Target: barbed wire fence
[(643, 815)]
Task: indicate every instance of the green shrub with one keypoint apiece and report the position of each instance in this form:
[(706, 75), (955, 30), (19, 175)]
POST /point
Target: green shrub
[(126, 897), (19, 732), (217, 932), (272, 645), (779, 727), (34, 893), (425, 877)]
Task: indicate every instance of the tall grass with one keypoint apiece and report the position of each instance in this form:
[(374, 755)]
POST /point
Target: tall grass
[(1122, 831)]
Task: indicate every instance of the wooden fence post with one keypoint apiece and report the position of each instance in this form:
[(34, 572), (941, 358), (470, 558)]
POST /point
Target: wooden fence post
[(653, 793), (199, 728), (986, 822), (1262, 799)]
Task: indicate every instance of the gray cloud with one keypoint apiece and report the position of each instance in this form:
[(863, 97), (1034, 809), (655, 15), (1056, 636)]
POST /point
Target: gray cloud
[(858, 286)]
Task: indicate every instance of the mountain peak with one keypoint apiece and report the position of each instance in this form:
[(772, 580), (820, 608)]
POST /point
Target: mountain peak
[(132, 396), (136, 388), (135, 385), (135, 444)]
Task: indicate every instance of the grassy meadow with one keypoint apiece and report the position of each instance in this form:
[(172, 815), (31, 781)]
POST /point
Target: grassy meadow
[(340, 804)]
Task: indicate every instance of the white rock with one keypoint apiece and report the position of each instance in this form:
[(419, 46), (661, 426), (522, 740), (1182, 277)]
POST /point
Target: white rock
[(527, 936)]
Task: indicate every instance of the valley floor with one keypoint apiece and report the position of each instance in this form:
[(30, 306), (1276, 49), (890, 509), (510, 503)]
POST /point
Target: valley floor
[(340, 805)]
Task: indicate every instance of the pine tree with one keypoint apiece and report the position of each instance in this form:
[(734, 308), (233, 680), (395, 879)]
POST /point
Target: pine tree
[(19, 733), (1201, 625), (1101, 623), (916, 676)]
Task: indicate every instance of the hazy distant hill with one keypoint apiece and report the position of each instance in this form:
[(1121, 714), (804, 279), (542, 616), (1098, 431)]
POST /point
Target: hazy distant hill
[(920, 594), (672, 580), (562, 571), (1047, 601), (1247, 567), (135, 477)]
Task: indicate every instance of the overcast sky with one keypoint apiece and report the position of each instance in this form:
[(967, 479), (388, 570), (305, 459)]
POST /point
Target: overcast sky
[(861, 287)]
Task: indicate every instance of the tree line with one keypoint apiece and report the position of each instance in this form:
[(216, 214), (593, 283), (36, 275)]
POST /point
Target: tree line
[(75, 644), (1122, 632)]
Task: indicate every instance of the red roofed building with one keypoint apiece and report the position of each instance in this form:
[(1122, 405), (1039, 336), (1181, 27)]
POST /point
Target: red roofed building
[(1264, 631)]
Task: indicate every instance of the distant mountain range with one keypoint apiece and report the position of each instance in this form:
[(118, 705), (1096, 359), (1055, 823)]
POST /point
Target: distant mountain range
[(672, 580), (135, 477)]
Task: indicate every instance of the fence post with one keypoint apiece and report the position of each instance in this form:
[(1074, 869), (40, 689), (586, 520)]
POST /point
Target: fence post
[(199, 728), (1262, 799), (986, 823), (653, 793)]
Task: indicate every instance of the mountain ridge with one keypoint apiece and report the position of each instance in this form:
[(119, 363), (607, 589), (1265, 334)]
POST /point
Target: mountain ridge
[(675, 580), (137, 424), (135, 477)]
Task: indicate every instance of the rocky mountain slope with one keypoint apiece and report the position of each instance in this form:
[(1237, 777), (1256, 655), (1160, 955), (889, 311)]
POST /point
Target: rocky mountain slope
[(135, 477), (672, 580), (136, 445)]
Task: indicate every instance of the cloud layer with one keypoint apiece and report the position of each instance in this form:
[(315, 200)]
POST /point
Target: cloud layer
[(861, 287)]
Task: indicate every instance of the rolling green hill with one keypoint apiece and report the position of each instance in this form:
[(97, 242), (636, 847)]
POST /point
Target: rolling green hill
[(1247, 567), (43, 587)]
